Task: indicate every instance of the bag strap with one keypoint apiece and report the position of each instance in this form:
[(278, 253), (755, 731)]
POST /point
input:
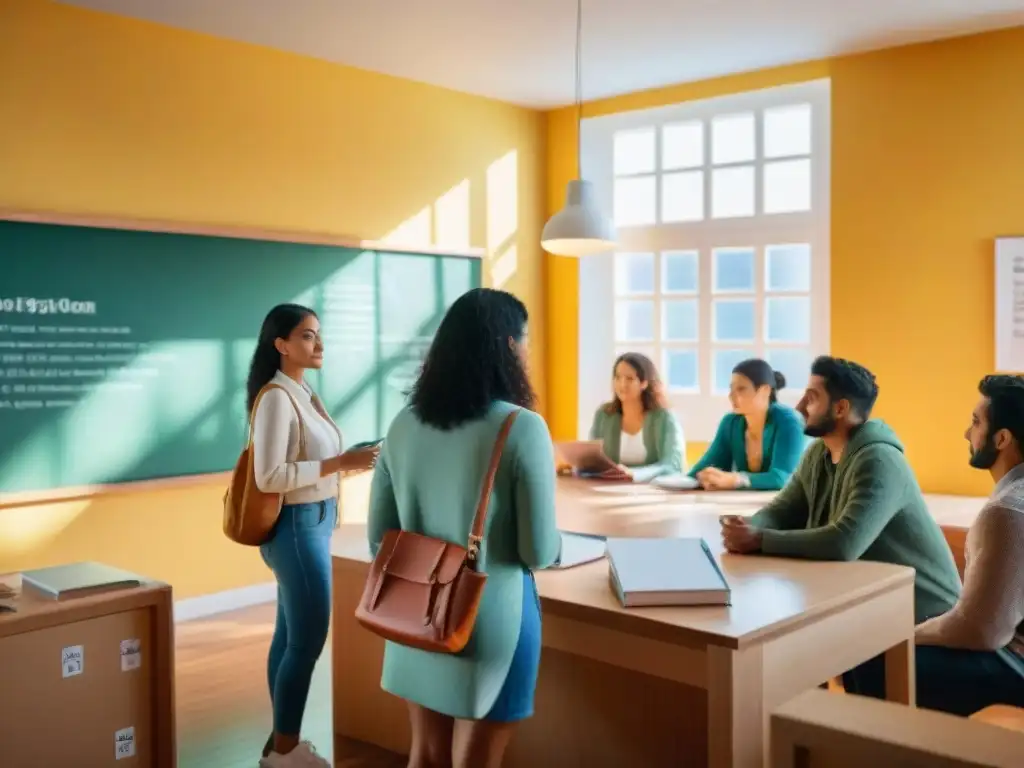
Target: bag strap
[(476, 534), (302, 430)]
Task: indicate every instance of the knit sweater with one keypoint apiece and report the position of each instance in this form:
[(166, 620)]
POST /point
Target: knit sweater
[(989, 616), (868, 506)]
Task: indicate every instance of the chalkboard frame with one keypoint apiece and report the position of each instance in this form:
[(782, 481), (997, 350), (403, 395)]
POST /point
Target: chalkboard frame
[(161, 226)]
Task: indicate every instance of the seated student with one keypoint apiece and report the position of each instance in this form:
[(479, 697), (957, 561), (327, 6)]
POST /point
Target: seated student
[(759, 444), (854, 495), (972, 656), (639, 432)]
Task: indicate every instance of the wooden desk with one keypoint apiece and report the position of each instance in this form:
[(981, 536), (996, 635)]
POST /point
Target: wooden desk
[(655, 686), (48, 719)]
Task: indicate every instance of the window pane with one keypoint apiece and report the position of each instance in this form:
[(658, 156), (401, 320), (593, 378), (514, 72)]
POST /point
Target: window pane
[(787, 186), (734, 320), (787, 131), (787, 319), (681, 368), (792, 362), (634, 152), (679, 320), (634, 273), (682, 145), (724, 360), (634, 320), (788, 267), (679, 271), (682, 196), (732, 139), (634, 201), (732, 192), (732, 270)]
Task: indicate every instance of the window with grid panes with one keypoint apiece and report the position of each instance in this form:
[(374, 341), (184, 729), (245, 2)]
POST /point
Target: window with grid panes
[(722, 212)]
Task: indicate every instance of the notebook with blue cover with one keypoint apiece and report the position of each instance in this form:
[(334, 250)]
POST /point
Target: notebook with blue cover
[(665, 571)]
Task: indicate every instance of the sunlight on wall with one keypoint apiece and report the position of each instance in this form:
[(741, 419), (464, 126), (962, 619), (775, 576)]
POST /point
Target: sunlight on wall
[(413, 231), (504, 266), (23, 529), (502, 201), (451, 217)]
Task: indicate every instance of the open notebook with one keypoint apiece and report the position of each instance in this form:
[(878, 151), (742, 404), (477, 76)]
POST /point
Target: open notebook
[(580, 548)]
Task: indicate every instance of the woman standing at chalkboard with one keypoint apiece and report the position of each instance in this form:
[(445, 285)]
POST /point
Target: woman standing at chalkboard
[(297, 452)]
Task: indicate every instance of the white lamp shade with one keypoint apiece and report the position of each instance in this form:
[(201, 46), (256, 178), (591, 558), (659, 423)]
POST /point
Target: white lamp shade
[(581, 228)]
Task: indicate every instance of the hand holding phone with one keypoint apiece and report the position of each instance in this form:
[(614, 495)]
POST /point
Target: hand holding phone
[(361, 457)]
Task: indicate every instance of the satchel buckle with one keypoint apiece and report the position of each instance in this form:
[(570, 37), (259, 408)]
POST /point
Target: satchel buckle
[(473, 550)]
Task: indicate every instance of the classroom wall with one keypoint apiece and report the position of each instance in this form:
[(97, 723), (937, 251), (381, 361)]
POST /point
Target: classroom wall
[(114, 117), (927, 168)]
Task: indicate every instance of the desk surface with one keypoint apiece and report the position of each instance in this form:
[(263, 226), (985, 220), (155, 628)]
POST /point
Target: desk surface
[(769, 595)]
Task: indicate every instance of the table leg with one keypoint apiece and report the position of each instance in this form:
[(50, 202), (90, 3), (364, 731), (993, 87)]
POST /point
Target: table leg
[(737, 722), (900, 675)]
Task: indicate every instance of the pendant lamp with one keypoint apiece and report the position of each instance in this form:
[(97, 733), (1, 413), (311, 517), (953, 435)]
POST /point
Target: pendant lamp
[(581, 228)]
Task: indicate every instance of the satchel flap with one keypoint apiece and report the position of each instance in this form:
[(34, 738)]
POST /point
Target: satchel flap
[(421, 559)]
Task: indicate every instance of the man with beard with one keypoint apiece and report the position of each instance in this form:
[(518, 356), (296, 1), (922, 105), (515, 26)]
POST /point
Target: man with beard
[(973, 655), (853, 496)]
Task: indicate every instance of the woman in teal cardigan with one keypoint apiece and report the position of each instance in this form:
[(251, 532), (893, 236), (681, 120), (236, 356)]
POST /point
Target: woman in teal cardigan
[(759, 444), (427, 480), (640, 434)]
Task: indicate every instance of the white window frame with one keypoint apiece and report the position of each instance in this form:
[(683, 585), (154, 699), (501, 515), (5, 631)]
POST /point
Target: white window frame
[(701, 411)]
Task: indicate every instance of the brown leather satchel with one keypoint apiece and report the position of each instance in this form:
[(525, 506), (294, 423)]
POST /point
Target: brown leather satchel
[(249, 513), (425, 592)]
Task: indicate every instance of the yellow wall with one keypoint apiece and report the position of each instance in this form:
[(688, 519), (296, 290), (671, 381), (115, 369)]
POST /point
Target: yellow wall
[(114, 117), (927, 168)]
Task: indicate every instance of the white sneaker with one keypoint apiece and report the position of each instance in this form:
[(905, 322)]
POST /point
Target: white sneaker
[(303, 756)]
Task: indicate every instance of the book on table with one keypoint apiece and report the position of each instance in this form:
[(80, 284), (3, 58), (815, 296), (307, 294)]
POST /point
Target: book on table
[(665, 571), (62, 582)]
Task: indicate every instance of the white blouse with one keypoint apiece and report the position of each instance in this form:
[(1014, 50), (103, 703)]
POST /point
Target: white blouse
[(632, 451), (276, 445)]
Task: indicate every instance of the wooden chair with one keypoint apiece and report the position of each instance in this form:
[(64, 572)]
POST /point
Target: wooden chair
[(830, 730)]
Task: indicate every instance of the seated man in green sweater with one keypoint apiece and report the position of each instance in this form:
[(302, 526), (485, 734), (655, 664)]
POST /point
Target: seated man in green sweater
[(853, 496)]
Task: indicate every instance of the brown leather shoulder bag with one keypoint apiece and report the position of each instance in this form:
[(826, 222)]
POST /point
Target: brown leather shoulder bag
[(425, 592)]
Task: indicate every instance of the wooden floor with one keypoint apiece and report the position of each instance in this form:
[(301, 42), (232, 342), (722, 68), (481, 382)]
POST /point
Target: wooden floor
[(223, 704)]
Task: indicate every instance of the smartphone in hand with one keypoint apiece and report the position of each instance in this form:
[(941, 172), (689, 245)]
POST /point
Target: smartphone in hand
[(366, 444)]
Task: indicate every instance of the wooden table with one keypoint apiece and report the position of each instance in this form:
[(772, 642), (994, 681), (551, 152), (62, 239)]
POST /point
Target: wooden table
[(49, 717), (656, 686)]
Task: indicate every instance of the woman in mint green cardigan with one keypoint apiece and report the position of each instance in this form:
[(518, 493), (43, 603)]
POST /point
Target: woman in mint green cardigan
[(427, 480), (640, 434), (759, 444)]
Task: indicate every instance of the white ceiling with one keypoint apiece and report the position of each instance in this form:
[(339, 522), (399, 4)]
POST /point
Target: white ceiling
[(521, 51)]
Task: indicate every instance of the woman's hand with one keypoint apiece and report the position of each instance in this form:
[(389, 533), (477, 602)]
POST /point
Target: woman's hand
[(360, 460), (712, 479), (620, 472)]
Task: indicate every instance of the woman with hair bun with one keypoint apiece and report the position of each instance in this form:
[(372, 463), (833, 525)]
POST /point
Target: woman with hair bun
[(759, 444)]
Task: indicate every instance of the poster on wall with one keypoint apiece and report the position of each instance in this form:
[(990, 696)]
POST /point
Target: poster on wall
[(1010, 304)]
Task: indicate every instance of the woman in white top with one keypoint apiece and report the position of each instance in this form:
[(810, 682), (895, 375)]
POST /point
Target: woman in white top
[(297, 452), (637, 429)]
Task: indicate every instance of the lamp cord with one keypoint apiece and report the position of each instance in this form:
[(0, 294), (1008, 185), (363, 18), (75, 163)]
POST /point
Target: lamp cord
[(579, 87)]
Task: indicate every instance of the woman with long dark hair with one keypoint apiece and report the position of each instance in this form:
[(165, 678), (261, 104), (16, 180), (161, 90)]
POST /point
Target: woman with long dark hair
[(759, 444), (639, 432), (463, 707), (297, 452)]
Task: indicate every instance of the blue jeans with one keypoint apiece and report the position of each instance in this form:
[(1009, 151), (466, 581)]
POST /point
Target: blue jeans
[(949, 680), (299, 554)]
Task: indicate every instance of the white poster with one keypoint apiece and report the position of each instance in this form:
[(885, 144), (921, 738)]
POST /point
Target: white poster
[(72, 661), (124, 743), (131, 655), (1010, 304)]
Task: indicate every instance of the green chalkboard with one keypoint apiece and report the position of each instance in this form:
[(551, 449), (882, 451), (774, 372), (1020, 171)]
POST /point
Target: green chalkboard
[(124, 354)]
